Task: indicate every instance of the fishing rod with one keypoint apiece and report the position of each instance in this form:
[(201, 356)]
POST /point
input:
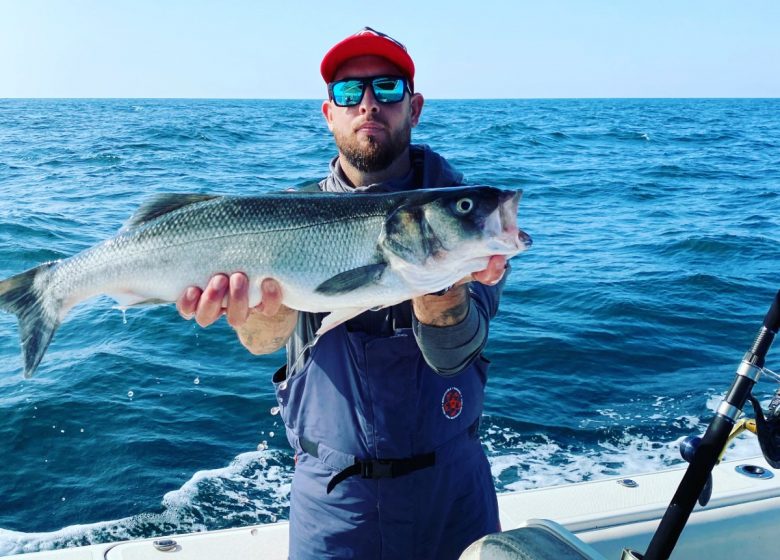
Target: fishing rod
[(704, 454)]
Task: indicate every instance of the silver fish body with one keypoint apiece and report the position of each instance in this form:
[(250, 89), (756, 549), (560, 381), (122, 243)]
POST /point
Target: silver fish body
[(334, 253)]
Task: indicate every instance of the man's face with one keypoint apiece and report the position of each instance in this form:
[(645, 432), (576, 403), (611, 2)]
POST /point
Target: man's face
[(371, 135)]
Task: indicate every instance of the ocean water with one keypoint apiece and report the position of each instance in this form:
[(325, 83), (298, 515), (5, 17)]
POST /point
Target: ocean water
[(656, 227)]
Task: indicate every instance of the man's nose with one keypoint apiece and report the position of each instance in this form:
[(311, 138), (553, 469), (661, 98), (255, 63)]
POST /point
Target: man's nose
[(369, 104)]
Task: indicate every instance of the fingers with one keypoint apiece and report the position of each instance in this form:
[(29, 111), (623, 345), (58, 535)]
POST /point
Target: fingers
[(210, 304), (187, 303), (228, 296), (271, 297), (493, 272), (238, 300)]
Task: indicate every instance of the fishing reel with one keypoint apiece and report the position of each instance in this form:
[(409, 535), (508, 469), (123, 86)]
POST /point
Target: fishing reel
[(768, 429)]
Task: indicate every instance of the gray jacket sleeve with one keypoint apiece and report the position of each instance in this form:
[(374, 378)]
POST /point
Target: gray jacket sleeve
[(448, 350)]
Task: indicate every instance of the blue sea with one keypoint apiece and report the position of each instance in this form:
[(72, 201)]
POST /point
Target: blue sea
[(656, 227)]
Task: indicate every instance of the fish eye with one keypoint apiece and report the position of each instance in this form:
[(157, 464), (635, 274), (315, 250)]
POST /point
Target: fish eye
[(464, 206)]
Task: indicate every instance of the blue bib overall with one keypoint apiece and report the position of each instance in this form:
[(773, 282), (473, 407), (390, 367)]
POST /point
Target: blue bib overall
[(360, 399)]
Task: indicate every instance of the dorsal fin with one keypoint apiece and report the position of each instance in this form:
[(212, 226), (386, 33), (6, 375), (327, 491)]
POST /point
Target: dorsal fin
[(162, 204)]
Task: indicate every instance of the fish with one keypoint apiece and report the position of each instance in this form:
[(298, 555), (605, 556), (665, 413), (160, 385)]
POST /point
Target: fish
[(330, 252)]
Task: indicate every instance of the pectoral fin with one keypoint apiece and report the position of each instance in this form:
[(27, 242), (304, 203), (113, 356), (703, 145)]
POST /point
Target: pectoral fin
[(350, 280)]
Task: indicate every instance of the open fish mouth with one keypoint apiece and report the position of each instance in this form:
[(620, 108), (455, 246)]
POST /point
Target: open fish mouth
[(524, 240), (501, 226)]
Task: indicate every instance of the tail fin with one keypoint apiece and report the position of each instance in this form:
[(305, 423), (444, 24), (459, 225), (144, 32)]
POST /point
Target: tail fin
[(37, 319)]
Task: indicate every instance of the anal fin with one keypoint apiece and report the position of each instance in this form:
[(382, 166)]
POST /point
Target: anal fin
[(335, 318), (126, 300)]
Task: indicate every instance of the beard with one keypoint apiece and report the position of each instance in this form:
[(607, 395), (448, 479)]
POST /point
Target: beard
[(372, 155)]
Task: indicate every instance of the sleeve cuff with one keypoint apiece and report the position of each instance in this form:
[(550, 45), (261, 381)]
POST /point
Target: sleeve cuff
[(449, 349)]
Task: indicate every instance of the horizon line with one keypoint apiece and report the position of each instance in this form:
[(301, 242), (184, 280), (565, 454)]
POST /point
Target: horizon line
[(109, 98)]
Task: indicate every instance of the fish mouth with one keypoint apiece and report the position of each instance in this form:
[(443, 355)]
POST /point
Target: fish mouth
[(524, 240), (510, 236)]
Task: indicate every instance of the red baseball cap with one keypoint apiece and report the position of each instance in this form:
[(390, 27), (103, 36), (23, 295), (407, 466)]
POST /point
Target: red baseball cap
[(367, 42)]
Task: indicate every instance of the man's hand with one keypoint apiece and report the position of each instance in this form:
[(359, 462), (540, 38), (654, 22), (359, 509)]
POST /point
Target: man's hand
[(452, 307), (494, 272), (261, 329), (228, 296)]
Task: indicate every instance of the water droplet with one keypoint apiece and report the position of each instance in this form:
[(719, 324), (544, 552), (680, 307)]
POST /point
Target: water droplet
[(197, 381), (274, 410), (124, 315), (82, 430), (63, 498), (62, 431), (130, 394), (270, 434), (262, 446)]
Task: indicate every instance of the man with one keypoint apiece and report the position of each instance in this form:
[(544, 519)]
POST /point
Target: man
[(383, 411)]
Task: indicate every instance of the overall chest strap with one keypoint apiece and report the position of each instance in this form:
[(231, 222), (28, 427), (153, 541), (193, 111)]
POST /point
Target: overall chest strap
[(389, 468), (383, 468)]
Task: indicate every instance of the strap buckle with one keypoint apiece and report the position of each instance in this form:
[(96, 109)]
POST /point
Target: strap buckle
[(379, 468)]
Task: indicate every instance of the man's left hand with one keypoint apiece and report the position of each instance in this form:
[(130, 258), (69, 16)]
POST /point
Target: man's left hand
[(452, 307), (494, 272)]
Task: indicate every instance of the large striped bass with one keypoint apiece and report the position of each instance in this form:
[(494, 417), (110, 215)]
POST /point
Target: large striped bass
[(336, 253)]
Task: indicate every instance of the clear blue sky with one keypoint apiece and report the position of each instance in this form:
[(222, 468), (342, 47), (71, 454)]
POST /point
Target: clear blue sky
[(463, 49)]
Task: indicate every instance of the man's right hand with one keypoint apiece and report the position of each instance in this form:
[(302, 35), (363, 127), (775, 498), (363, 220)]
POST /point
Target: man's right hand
[(206, 306)]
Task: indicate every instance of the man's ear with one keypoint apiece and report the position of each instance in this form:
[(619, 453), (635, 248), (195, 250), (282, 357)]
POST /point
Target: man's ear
[(416, 104), (327, 112)]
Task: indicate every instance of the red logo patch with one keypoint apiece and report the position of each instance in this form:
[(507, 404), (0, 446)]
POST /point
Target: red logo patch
[(452, 403)]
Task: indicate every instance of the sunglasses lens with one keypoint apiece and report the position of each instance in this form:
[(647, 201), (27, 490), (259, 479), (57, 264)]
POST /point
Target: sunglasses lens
[(348, 92), (388, 90)]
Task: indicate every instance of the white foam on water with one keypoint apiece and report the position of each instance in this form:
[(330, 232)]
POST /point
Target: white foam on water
[(254, 488), (17, 542), (541, 462), (255, 480)]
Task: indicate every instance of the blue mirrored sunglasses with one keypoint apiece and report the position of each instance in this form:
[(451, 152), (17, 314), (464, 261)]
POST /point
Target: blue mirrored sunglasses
[(349, 91)]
